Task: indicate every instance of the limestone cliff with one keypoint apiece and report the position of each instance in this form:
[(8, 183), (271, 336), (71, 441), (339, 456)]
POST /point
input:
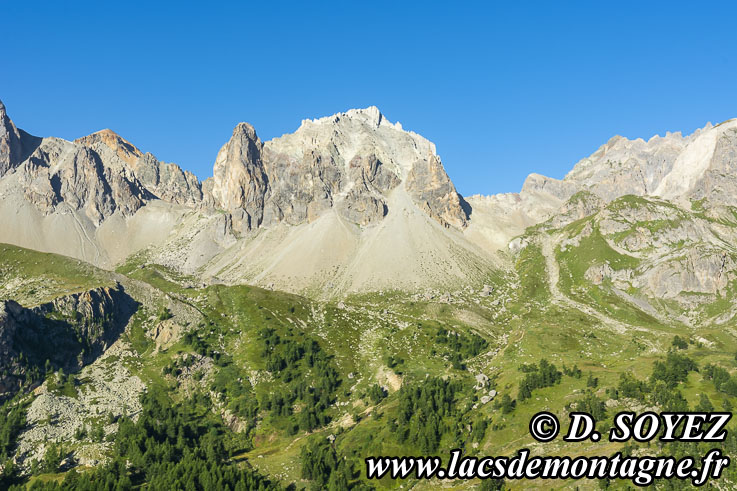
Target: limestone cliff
[(239, 183), (349, 162)]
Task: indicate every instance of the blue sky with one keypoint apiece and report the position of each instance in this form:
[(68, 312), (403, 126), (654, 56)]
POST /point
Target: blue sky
[(502, 88)]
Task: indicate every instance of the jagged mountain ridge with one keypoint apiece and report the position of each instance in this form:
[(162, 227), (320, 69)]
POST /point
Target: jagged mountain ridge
[(660, 168), (673, 167), (337, 205), (349, 172), (242, 178)]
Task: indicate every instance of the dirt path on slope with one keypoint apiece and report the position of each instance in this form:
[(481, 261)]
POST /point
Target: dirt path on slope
[(547, 244)]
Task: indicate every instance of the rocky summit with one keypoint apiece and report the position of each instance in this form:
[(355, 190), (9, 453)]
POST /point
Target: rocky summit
[(351, 176), (328, 295)]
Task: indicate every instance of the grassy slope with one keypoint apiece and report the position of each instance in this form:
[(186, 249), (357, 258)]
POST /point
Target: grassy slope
[(366, 330), (519, 321), (31, 277)]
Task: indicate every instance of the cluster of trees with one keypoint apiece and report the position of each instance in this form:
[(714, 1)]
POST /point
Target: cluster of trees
[(478, 430), (205, 346), (592, 404), (461, 346), (176, 366), (661, 388), (52, 458), (673, 370), (305, 377), (393, 362), (164, 313), (169, 447), (234, 388), (62, 383), (630, 387), (377, 393), (306, 374), (721, 379), (427, 411), (507, 404), (96, 434), (492, 484), (679, 342), (12, 421), (322, 465), (544, 374), (574, 371)]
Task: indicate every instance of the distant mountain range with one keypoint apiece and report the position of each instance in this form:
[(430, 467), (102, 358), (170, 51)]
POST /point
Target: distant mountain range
[(352, 203)]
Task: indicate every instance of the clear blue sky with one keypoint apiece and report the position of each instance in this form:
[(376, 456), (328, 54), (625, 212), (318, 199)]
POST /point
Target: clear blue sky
[(503, 89)]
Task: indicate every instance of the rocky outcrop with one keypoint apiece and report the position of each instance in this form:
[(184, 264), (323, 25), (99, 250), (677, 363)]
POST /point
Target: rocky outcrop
[(60, 171), (718, 181), (432, 190), (301, 187), (623, 166), (675, 167), (578, 206), (369, 181), (10, 142), (109, 388), (664, 260), (539, 184), (700, 166), (168, 182), (348, 162), (239, 183)]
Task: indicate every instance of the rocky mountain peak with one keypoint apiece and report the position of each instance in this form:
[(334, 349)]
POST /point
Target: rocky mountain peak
[(164, 181), (349, 162), (370, 116), (246, 130), (10, 142), (239, 182), (706, 167), (125, 150)]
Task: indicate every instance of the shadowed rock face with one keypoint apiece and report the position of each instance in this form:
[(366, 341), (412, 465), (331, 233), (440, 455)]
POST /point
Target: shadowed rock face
[(10, 143), (69, 332)]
